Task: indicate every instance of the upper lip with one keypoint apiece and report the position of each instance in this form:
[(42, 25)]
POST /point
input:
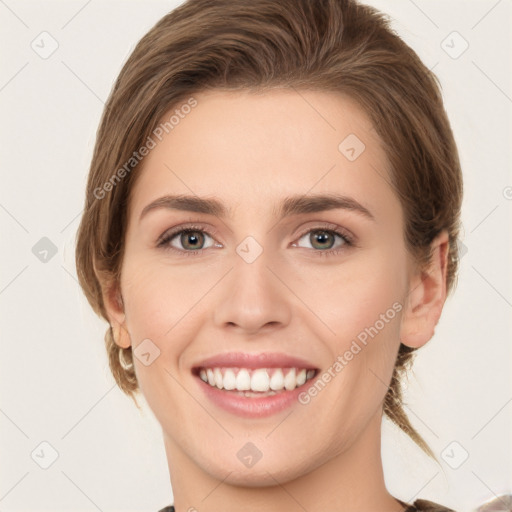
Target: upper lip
[(260, 360)]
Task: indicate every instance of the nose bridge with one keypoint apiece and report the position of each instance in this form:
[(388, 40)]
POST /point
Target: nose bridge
[(252, 296)]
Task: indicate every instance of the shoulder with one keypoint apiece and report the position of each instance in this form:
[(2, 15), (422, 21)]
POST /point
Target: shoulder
[(418, 506), (427, 506)]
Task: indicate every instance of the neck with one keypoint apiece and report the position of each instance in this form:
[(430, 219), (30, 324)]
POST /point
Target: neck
[(352, 481)]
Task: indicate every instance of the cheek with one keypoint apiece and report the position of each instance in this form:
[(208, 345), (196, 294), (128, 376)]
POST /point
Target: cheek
[(159, 295), (163, 303), (350, 298), (154, 302), (361, 304), (146, 301)]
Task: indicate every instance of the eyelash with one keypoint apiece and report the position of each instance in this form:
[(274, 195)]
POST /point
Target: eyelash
[(163, 241)]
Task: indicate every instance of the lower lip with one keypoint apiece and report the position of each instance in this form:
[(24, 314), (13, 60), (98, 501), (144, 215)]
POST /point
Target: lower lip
[(252, 407)]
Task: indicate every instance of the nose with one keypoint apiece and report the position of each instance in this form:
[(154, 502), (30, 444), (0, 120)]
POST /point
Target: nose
[(253, 298)]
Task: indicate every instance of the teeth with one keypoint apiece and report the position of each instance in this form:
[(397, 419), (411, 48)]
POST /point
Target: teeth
[(277, 380), (251, 382), (229, 380), (260, 380), (290, 380), (211, 378), (243, 380), (218, 378)]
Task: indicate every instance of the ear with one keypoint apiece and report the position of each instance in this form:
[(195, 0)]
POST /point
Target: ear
[(426, 296), (115, 311)]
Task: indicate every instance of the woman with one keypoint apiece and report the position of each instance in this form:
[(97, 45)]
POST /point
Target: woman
[(270, 230)]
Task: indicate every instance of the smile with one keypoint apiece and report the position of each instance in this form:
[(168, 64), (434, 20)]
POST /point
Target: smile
[(257, 381)]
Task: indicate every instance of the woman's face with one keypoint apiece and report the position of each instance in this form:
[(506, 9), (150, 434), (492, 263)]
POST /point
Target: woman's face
[(274, 277)]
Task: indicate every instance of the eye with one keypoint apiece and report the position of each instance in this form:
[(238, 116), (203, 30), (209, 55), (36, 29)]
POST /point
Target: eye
[(324, 240), (190, 240)]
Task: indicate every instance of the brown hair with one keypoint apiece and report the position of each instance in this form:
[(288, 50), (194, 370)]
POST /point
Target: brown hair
[(330, 45)]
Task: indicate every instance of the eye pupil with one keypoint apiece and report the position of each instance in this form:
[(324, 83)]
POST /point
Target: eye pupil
[(193, 236), (322, 237)]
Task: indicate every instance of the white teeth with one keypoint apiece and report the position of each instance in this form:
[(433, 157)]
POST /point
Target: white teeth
[(290, 380), (229, 380), (211, 377), (252, 382), (277, 380), (243, 380), (218, 378), (260, 380)]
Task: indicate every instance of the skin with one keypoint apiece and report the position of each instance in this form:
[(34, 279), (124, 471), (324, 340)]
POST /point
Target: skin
[(250, 150)]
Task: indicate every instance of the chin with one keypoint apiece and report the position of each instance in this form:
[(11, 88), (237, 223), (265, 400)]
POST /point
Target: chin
[(261, 474)]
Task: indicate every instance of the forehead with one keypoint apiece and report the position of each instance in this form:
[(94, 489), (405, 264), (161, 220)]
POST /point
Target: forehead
[(254, 148)]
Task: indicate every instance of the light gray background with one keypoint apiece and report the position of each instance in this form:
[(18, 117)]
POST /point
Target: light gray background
[(56, 386)]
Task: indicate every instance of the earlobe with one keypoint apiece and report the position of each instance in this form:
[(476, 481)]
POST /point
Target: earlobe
[(426, 296), (120, 335), (117, 318)]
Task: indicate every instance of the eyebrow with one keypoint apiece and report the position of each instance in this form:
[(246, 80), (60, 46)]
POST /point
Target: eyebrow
[(293, 205)]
